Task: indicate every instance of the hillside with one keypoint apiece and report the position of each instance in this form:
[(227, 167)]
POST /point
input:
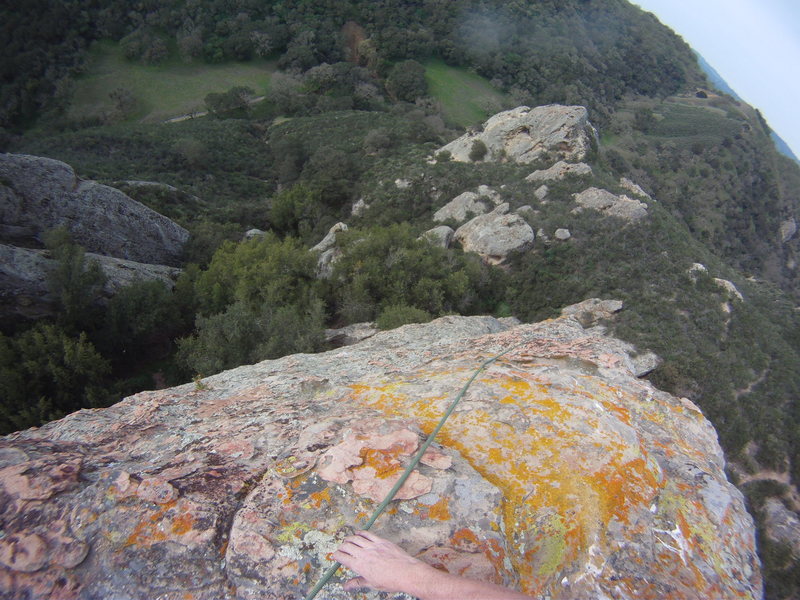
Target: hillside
[(361, 101), (720, 84)]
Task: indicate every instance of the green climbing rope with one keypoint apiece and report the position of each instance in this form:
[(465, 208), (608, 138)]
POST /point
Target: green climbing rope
[(414, 461)]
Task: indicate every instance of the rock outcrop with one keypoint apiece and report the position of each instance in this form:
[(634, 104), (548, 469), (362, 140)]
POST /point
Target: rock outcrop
[(560, 170), (37, 194), (787, 230), (328, 251), (466, 204), (439, 236), (559, 474), (633, 188), (495, 235), (524, 135), (610, 204), (24, 289)]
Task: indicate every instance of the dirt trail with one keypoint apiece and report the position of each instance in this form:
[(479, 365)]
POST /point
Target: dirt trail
[(203, 113)]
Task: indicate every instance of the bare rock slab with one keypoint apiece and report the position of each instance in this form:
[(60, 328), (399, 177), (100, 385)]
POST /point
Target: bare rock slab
[(524, 135), (610, 204), (559, 474)]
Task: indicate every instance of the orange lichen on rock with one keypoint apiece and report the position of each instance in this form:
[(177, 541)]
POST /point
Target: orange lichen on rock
[(439, 510), (578, 467)]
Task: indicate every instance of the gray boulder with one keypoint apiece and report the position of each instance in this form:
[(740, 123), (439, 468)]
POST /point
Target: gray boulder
[(495, 235), (460, 207), (633, 188), (788, 229), (253, 233), (607, 203), (524, 135), (560, 171), (359, 208), (37, 194), (329, 253), (592, 310), (439, 236), (562, 234)]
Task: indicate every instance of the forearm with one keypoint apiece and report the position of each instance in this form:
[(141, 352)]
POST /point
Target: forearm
[(432, 584)]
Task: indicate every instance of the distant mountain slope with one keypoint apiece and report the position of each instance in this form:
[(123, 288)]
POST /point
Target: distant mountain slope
[(718, 82)]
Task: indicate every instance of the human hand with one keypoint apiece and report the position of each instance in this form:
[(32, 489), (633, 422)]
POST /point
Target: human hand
[(380, 564)]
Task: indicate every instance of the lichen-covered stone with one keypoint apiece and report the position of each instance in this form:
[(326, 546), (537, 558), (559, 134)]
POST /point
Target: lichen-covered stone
[(560, 473)]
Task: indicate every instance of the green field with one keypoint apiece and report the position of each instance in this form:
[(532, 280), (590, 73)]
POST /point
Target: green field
[(161, 91), (466, 98), (681, 120)]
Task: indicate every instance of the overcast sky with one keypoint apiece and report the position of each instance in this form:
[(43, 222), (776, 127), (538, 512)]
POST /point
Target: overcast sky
[(753, 44)]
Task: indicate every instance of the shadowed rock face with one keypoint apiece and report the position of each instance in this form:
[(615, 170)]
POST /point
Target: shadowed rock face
[(560, 473), (25, 292), (37, 194)]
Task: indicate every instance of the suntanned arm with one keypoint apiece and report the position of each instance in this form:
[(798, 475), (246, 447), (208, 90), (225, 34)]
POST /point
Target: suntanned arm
[(384, 566)]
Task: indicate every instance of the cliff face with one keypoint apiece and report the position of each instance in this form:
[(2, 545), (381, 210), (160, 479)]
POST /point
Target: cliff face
[(560, 473)]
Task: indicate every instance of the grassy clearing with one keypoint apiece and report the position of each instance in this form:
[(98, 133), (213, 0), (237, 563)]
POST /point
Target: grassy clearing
[(682, 120), (466, 98), (161, 91)]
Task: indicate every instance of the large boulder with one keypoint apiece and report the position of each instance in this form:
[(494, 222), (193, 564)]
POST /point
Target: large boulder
[(495, 235), (610, 204), (560, 474), (38, 194), (440, 236), (524, 135), (24, 289), (468, 204)]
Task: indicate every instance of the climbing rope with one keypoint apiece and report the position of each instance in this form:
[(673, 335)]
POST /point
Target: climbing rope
[(414, 462)]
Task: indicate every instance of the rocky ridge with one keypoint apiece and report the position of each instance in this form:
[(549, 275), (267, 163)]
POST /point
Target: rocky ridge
[(560, 474)]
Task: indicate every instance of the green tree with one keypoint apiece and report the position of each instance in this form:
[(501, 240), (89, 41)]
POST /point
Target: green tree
[(261, 271), (139, 317), (233, 103), (297, 211), (399, 314), (388, 266), (477, 151), (406, 81), (244, 335), (75, 284), (45, 374)]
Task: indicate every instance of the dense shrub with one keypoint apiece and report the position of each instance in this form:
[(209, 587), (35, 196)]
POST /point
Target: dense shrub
[(399, 314)]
